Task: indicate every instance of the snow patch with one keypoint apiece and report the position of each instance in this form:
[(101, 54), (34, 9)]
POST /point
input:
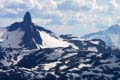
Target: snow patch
[(95, 42), (63, 67), (83, 65), (94, 49), (69, 55), (48, 66)]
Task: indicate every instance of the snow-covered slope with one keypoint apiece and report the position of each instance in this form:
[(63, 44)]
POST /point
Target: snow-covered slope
[(111, 36), (2, 31), (12, 39), (27, 35), (49, 41)]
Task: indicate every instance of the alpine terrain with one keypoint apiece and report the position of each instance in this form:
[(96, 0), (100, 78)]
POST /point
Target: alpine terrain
[(31, 52)]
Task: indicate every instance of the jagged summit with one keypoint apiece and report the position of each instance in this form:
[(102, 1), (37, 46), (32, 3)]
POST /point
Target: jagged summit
[(27, 18), (25, 25), (30, 36)]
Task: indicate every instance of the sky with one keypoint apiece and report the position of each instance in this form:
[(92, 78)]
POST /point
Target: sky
[(78, 17)]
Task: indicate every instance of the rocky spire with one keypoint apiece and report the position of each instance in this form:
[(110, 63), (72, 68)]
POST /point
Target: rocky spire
[(27, 18)]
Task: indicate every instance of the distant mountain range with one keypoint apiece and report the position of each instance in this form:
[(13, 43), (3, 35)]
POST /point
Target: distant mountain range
[(111, 36), (31, 52)]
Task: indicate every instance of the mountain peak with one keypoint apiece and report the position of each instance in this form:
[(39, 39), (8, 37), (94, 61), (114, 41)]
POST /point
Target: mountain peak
[(27, 18), (114, 27)]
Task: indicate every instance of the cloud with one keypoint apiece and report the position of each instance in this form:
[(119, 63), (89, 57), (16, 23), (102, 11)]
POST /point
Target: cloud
[(96, 7), (5, 22), (114, 4), (42, 21), (2, 4)]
